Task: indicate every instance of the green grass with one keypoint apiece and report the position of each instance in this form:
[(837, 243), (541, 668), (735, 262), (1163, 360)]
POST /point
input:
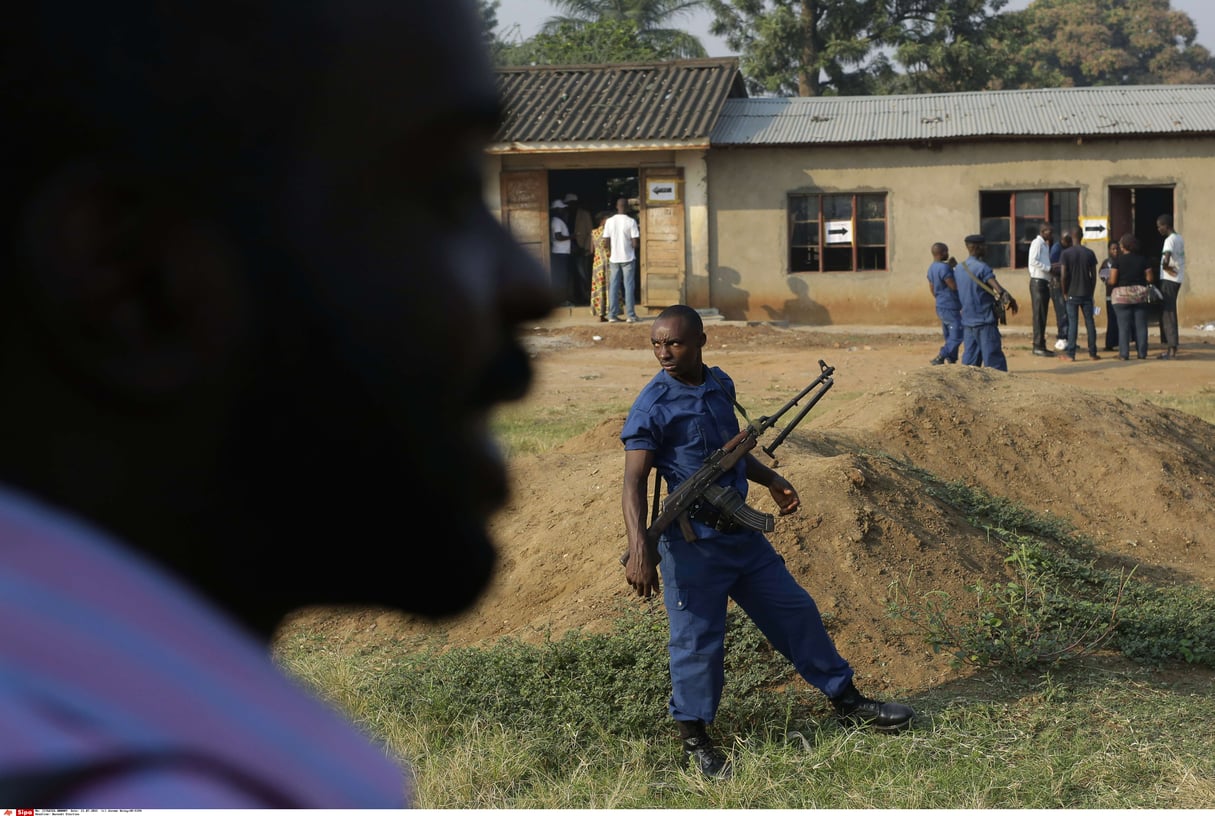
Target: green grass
[(522, 429), (1200, 404), (580, 722), (1125, 720)]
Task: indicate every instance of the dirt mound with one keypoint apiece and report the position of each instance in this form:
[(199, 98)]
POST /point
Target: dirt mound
[(1133, 478)]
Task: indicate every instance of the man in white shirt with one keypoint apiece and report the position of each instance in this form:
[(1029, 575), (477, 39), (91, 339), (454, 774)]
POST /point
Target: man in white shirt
[(559, 253), (1172, 271), (622, 237), (1039, 287)]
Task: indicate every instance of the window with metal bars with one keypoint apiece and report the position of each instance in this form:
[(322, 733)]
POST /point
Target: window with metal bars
[(837, 232), (1011, 220)]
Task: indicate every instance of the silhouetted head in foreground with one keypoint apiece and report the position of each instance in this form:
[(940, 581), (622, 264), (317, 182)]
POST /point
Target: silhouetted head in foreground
[(256, 312)]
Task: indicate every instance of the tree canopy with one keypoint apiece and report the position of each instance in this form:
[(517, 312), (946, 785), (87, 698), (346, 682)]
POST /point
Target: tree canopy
[(1075, 43), (604, 31), (857, 47)]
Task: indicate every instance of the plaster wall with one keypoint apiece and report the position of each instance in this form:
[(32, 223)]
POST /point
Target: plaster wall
[(932, 195)]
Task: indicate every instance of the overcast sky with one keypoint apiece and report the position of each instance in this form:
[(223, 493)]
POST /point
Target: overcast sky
[(530, 14)]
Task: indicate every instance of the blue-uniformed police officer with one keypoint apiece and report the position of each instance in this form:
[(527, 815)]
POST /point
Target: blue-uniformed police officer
[(683, 415)]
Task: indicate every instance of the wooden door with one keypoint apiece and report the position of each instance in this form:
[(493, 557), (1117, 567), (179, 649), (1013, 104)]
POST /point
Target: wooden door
[(1122, 213), (662, 237), (525, 210)]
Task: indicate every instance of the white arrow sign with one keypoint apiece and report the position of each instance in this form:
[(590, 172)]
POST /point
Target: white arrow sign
[(839, 232), (1096, 230)]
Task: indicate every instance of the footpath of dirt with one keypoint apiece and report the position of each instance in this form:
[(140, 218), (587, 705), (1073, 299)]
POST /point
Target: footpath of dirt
[(1075, 440)]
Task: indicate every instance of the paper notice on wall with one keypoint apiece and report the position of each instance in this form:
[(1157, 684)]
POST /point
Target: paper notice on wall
[(1095, 230), (839, 232)]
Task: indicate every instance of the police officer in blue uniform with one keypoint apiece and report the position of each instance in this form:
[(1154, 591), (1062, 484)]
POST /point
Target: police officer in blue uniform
[(977, 291), (683, 415)]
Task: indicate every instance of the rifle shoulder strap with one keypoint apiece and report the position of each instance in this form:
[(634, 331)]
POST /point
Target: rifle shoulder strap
[(982, 285), (657, 497), (737, 406)]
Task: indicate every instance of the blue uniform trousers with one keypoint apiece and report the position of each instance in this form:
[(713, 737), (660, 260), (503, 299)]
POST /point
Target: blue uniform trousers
[(698, 577), (983, 347), (951, 330)]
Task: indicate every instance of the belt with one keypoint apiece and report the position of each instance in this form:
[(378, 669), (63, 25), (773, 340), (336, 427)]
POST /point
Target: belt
[(710, 516)]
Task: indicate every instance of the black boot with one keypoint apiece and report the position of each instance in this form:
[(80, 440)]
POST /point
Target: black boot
[(854, 708), (698, 747)]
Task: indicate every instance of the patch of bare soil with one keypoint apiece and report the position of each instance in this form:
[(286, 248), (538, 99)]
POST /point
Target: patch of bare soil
[(1077, 440)]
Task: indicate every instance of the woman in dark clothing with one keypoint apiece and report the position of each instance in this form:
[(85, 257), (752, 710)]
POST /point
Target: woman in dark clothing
[(1111, 319), (1130, 273)]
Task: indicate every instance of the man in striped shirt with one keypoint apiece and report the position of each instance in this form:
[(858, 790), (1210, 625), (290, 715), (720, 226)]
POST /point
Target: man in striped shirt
[(255, 317)]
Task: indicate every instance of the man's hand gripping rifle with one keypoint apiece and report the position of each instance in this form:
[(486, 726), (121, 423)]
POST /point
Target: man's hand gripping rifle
[(702, 485)]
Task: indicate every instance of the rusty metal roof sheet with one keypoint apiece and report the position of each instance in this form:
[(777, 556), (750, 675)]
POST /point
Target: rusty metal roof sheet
[(1122, 111), (615, 106)]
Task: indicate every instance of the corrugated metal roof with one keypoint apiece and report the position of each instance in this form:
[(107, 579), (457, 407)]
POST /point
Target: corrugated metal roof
[(666, 102), (1139, 110)]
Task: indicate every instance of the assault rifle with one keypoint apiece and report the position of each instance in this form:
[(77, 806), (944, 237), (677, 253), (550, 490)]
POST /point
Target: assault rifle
[(728, 502)]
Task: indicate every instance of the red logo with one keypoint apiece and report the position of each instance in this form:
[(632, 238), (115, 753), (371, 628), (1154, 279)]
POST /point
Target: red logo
[(25, 812)]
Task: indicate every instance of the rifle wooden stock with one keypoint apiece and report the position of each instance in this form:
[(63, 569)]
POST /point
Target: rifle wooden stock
[(724, 459)]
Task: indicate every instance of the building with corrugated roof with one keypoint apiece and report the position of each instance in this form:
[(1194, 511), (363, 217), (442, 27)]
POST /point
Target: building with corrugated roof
[(821, 210)]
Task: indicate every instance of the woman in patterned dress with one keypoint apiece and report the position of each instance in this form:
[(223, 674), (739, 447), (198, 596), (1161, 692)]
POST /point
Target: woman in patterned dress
[(599, 269)]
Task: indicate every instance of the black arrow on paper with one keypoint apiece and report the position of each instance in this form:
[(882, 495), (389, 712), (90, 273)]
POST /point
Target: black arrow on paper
[(1095, 229), (840, 231)]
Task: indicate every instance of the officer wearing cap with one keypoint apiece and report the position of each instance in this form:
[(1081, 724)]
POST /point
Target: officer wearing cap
[(978, 290)]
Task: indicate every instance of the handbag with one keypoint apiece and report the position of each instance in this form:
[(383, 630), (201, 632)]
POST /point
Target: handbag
[(1129, 295), (1154, 296)]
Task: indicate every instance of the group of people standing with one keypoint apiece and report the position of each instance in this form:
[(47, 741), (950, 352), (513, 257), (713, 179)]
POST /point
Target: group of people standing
[(1129, 276), (1064, 274), (595, 260)]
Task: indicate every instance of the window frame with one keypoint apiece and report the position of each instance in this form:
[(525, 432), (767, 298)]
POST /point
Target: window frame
[(808, 214), (1010, 220)]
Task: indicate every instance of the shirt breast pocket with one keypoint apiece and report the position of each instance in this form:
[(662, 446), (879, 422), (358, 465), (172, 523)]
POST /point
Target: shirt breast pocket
[(690, 434)]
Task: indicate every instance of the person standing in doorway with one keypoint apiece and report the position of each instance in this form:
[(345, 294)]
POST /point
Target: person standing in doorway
[(1078, 278), (560, 245), (944, 292), (581, 253), (1039, 287), (1172, 272), (1111, 320), (1129, 276), (622, 239), (599, 268)]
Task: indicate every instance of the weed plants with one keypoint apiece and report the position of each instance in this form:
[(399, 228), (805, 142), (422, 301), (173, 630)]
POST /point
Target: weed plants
[(1090, 688), (1055, 717)]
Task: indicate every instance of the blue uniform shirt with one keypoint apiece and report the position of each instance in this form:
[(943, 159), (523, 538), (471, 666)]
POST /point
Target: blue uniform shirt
[(684, 424), (947, 299), (976, 302)]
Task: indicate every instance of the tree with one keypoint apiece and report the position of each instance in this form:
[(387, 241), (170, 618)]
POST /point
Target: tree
[(489, 18), (949, 46), (499, 47), (1075, 43), (813, 47), (652, 20), (603, 41)]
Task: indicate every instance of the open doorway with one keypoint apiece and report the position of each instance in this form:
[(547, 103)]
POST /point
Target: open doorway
[(597, 190), (1135, 209)]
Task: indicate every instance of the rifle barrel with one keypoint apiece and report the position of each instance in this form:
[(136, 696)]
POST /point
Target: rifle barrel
[(824, 381)]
